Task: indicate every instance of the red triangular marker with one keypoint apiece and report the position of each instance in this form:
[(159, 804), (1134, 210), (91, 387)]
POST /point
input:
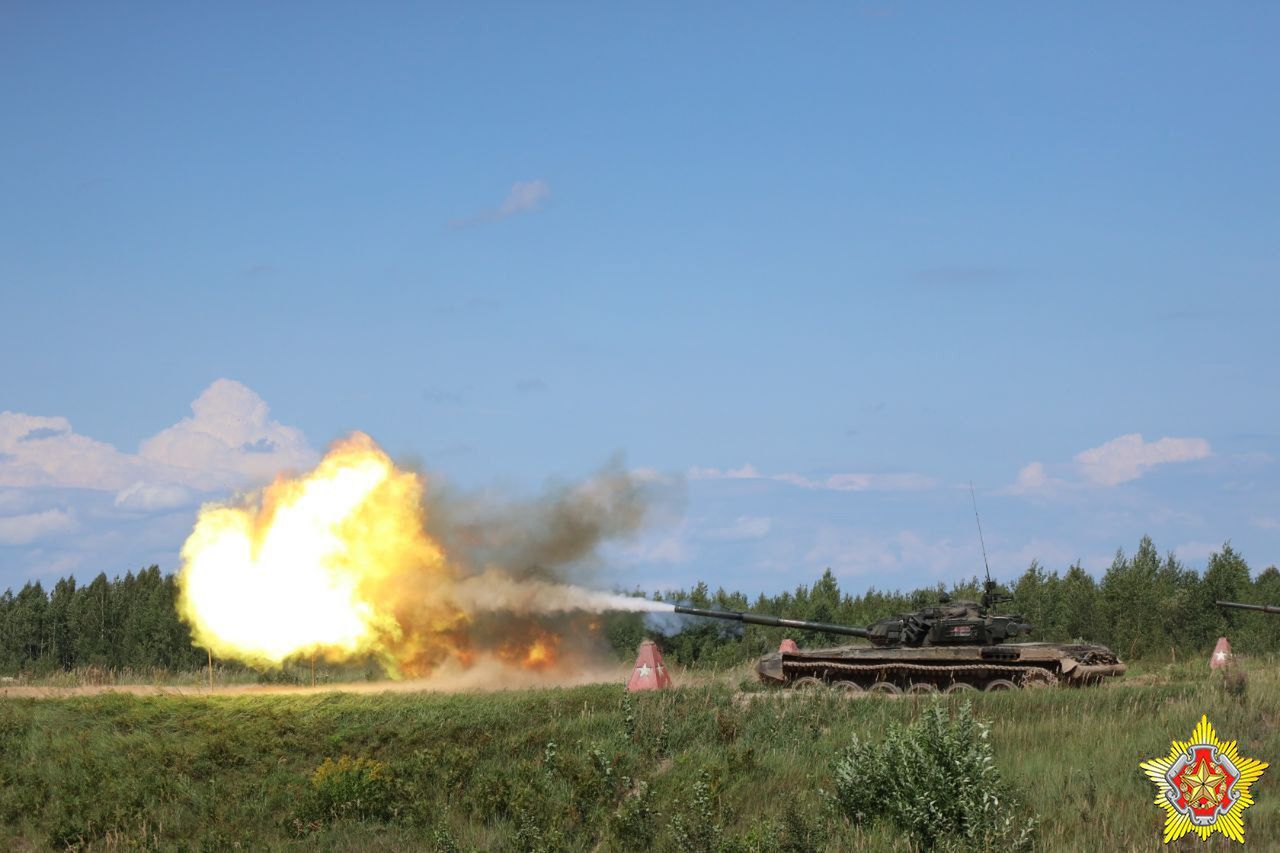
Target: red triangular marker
[(650, 673), (788, 645), (1221, 654)]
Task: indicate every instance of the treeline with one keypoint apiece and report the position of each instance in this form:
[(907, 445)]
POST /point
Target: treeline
[(128, 622), (1145, 605)]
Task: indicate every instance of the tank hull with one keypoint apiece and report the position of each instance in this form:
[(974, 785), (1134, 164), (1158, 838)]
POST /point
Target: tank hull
[(929, 668)]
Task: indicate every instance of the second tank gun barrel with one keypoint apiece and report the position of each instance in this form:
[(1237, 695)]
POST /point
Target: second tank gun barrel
[(774, 621), (1265, 608)]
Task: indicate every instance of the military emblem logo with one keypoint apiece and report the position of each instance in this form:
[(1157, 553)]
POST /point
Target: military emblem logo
[(1203, 785)]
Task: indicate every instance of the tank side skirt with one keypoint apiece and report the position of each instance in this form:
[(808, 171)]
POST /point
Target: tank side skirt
[(1025, 673)]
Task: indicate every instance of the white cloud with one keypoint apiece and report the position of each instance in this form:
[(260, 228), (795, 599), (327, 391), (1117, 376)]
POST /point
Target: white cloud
[(743, 528), (885, 560), (671, 547), (746, 472), (1197, 552), (228, 442), (652, 475), (24, 529), (152, 497), (43, 451), (848, 482), (1033, 479), (863, 482), (1128, 457), (1053, 555), (524, 196), (1117, 461)]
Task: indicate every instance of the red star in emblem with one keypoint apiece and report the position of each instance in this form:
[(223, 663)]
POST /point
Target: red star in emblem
[(1203, 784)]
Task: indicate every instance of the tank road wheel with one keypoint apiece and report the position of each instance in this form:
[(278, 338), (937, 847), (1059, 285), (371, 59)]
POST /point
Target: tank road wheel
[(809, 682), (920, 687), (849, 687), (960, 687), (1000, 684), (885, 687)]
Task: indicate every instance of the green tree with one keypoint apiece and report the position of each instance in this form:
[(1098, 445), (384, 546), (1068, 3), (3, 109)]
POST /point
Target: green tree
[(62, 637), (95, 622), (1078, 594), (27, 626)]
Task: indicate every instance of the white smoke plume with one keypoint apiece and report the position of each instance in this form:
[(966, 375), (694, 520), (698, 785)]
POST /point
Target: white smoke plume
[(494, 591)]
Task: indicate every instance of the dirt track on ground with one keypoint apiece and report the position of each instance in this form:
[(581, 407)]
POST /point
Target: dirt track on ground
[(475, 680)]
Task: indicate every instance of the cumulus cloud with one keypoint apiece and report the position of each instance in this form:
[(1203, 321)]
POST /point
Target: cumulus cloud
[(25, 529), (1128, 457), (229, 442), (1111, 463), (1034, 479), (832, 483), (1031, 478), (45, 451)]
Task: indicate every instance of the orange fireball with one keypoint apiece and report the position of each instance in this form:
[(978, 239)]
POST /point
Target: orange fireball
[(315, 565)]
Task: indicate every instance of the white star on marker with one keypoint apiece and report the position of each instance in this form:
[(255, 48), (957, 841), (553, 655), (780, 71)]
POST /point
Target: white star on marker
[(1219, 655), (644, 670), (659, 670)]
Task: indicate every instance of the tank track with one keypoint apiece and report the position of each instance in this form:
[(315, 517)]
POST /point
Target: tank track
[(974, 674)]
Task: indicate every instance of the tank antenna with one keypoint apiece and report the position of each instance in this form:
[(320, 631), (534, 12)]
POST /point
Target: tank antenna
[(988, 597)]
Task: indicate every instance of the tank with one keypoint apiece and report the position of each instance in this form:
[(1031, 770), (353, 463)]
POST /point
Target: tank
[(954, 646), (1265, 608)]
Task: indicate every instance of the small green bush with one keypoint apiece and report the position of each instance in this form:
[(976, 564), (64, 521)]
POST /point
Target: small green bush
[(693, 826), (349, 789), (935, 780), (635, 820)]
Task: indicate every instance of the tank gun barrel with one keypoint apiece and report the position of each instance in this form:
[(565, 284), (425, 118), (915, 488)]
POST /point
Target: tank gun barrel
[(775, 621), (1265, 608)]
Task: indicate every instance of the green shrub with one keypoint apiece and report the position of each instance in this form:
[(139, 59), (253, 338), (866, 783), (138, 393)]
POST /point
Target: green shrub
[(533, 835), (634, 821), (349, 789), (935, 780), (693, 825)]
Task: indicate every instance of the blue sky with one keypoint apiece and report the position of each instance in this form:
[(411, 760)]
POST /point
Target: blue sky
[(815, 268)]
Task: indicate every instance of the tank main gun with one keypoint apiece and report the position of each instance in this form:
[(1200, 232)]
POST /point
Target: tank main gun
[(775, 621), (960, 623), (1264, 608)]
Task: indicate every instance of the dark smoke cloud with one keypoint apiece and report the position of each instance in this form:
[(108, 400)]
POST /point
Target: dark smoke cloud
[(555, 536)]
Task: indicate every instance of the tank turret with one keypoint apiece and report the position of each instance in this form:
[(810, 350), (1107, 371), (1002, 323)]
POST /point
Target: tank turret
[(958, 623)]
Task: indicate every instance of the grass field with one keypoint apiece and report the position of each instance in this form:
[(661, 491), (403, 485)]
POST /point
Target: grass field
[(584, 768)]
